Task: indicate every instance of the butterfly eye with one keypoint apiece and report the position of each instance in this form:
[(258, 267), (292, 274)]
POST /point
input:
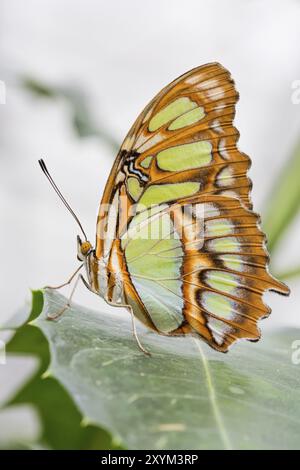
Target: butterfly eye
[(85, 248)]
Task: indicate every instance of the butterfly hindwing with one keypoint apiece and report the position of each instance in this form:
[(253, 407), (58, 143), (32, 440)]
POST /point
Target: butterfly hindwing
[(201, 265)]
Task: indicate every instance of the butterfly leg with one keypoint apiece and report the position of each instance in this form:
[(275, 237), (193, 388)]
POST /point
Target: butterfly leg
[(67, 282), (141, 347), (68, 304)]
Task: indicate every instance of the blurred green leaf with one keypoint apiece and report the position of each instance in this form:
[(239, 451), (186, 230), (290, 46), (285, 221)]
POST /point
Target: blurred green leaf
[(82, 120), (185, 396), (40, 89), (289, 274), (284, 201), (60, 418)]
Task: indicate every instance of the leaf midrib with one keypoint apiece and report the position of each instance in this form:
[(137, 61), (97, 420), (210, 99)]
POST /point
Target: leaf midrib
[(213, 399)]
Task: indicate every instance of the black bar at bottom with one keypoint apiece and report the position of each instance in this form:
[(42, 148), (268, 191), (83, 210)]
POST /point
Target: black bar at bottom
[(125, 458)]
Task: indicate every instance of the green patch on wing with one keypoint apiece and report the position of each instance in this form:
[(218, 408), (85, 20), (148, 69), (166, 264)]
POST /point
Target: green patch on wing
[(157, 194), (147, 162), (154, 256), (185, 157), (134, 188), (222, 281), (187, 119), (171, 111), (218, 304)]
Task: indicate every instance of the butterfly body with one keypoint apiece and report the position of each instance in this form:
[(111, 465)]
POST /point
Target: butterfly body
[(177, 241)]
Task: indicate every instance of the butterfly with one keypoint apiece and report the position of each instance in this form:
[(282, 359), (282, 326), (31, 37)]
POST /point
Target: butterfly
[(177, 241)]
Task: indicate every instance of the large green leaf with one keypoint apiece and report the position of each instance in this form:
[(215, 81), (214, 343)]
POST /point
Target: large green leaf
[(185, 395), (284, 201), (61, 421)]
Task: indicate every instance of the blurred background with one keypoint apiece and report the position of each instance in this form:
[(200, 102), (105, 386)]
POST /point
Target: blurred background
[(77, 73)]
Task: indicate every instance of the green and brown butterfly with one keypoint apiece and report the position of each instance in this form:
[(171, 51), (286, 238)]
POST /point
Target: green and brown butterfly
[(177, 241)]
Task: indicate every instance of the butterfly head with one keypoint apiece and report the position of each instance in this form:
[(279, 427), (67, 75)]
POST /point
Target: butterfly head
[(84, 248)]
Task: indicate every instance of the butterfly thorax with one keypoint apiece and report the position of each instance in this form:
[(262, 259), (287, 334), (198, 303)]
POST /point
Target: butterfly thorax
[(105, 276)]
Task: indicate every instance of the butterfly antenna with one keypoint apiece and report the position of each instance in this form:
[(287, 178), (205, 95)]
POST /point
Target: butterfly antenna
[(51, 181)]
